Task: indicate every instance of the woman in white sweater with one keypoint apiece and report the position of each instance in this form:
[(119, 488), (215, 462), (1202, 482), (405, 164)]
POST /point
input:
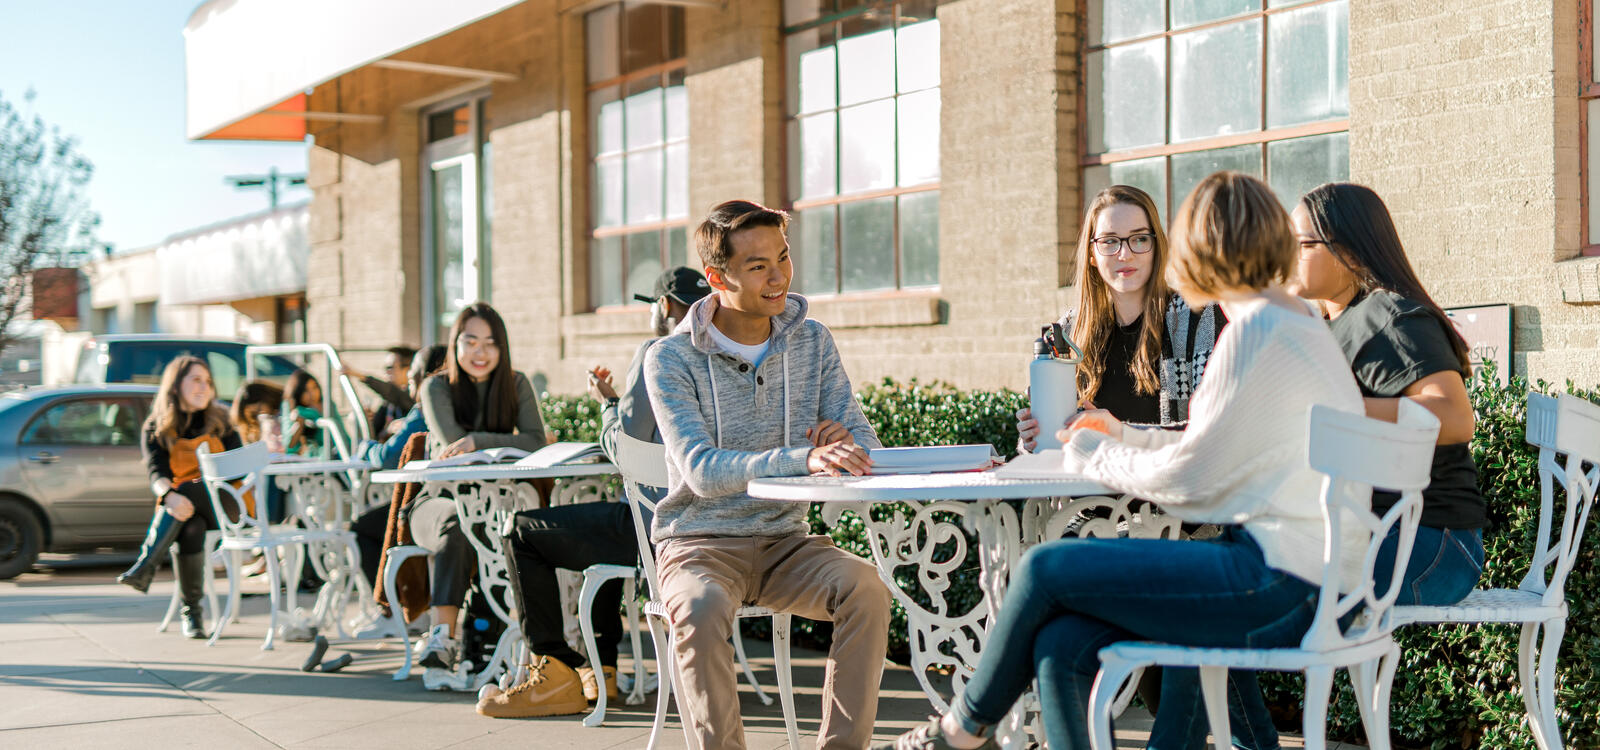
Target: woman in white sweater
[(1241, 462)]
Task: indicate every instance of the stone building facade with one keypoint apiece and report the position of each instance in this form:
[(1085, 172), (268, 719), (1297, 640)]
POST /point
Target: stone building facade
[(1464, 116)]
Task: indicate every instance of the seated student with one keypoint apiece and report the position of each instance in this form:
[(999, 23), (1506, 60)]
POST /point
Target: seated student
[(1143, 348), (477, 402), (1243, 456), (398, 397), (254, 400), (302, 407), (573, 537), (1400, 345), (185, 416), (371, 525), (747, 387)]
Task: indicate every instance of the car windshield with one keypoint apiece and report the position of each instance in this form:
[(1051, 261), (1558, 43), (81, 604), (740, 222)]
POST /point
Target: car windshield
[(143, 361)]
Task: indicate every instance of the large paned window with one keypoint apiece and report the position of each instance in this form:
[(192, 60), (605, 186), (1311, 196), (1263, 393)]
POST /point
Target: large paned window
[(1589, 127), (639, 146), (863, 107), (1178, 89), (456, 211)]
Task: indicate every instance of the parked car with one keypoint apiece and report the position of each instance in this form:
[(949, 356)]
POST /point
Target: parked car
[(140, 357), (70, 472)]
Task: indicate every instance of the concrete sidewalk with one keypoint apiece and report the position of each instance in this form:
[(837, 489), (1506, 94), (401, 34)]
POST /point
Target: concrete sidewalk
[(82, 666)]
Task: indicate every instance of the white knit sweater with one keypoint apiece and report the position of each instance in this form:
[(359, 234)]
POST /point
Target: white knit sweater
[(1243, 457)]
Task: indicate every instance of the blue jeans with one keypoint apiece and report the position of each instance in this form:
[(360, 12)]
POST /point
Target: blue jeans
[(1444, 565), (1067, 599)]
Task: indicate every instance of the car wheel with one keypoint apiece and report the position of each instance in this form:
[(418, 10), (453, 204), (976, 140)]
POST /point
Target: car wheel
[(21, 538)]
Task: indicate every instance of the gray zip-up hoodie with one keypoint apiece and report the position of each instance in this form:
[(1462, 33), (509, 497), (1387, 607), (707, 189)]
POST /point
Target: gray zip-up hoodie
[(726, 421)]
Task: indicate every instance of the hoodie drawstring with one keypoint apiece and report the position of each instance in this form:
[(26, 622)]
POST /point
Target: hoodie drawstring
[(716, 409)]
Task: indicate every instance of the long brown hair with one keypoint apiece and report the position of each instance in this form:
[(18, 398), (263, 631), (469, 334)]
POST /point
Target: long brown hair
[(500, 413), (256, 393), (1096, 316), (1361, 235), (167, 416)]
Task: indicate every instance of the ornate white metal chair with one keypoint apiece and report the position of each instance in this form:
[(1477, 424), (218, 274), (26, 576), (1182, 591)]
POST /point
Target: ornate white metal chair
[(1568, 426), (1356, 454), (638, 461), (250, 531)]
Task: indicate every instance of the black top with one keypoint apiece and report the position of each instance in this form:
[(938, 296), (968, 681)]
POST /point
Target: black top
[(156, 458), (1392, 342), (1118, 391)]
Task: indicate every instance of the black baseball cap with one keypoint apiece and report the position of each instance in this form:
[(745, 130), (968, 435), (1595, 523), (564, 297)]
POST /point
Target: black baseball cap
[(682, 283)]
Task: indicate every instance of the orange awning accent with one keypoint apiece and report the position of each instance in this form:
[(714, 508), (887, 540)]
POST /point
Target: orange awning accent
[(276, 123)]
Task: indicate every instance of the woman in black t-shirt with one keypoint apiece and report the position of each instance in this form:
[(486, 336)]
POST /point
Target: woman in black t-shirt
[(1143, 348), (1400, 344)]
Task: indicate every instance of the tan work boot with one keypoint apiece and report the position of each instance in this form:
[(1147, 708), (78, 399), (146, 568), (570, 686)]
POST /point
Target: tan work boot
[(552, 689), (591, 691)]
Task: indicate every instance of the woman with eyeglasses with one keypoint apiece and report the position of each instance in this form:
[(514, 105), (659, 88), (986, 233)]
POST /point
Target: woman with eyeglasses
[(1143, 348), (1400, 345), (477, 402)]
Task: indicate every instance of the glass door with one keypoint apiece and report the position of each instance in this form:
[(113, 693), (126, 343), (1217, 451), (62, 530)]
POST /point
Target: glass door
[(454, 252)]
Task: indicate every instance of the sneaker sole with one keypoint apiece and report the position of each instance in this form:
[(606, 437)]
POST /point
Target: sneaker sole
[(559, 709), (432, 659)]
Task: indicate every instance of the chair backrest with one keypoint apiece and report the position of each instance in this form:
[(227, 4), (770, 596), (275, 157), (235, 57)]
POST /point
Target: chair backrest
[(1569, 427), (1356, 454), (643, 464), (229, 476)]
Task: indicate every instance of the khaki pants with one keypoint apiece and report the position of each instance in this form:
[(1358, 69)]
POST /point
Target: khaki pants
[(705, 579)]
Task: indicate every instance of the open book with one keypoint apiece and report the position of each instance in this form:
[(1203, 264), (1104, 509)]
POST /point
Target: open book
[(557, 454), (1045, 464), (937, 458), (485, 456)]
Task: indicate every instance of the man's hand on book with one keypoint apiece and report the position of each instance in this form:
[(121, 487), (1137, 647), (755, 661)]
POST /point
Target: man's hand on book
[(839, 458), (828, 432)]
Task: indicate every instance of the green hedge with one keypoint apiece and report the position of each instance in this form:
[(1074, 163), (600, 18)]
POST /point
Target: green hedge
[(1456, 686)]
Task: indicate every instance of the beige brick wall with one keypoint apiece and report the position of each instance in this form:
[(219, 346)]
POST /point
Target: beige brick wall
[(1463, 117)]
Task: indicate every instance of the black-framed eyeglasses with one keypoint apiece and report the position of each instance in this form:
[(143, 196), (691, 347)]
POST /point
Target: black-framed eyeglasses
[(1138, 244)]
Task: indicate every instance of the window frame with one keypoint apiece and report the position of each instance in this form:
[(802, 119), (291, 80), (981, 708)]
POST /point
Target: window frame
[(1588, 92), (1261, 137), (793, 204), (663, 228), (468, 146)]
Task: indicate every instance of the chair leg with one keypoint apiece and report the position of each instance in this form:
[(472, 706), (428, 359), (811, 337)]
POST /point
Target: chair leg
[(213, 539), (780, 656), (591, 587), (665, 663), (232, 562), (274, 582), (172, 607), (1114, 673), (630, 596), (1383, 682), (397, 616), (1536, 669), (744, 664), (1319, 686), (1214, 691)]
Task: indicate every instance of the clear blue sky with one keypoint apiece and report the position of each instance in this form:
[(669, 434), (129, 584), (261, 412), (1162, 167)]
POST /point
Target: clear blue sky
[(111, 73)]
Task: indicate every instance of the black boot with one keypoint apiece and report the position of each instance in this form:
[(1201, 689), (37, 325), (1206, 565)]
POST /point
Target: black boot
[(191, 586), (163, 530)]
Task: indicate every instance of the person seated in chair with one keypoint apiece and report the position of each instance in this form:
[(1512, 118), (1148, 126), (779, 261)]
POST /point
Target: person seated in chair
[(748, 387), (573, 537)]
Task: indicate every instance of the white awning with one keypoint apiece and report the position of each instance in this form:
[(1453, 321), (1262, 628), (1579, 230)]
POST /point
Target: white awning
[(249, 63), (263, 255)]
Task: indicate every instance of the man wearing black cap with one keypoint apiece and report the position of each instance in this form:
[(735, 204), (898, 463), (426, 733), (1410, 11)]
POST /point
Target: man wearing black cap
[(573, 537)]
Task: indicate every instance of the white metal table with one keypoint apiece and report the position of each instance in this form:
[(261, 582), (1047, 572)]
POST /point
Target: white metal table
[(486, 497), (322, 495), (941, 637)]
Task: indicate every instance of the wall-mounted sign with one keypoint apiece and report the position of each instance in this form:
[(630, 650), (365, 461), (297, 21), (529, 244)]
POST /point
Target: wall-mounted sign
[(1487, 329)]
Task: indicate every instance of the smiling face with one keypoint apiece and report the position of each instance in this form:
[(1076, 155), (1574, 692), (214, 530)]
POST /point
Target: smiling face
[(1125, 271), (1319, 275), (757, 278), (476, 350), (196, 390)]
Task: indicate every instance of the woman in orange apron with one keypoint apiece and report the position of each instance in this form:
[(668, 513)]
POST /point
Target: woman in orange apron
[(185, 416)]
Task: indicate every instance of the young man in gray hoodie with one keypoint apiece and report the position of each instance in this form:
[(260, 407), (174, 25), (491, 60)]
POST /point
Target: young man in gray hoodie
[(748, 387)]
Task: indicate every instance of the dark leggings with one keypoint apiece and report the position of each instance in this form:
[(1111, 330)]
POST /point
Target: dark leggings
[(370, 528), (192, 535)]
